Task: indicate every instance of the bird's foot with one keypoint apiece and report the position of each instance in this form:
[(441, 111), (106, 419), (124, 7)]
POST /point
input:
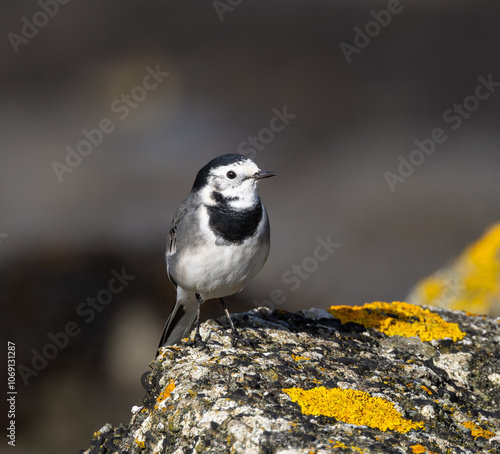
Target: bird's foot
[(237, 338), (197, 342)]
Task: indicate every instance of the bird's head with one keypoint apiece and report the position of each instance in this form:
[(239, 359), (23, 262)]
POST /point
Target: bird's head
[(231, 178)]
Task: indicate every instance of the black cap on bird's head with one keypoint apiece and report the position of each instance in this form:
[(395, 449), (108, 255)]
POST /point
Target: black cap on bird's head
[(222, 161)]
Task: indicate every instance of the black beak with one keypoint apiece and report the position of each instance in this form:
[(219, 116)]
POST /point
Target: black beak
[(264, 174)]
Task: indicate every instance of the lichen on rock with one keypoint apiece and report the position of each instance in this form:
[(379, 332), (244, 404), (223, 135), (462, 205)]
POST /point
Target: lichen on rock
[(353, 407), (320, 383), (470, 283), (399, 319)]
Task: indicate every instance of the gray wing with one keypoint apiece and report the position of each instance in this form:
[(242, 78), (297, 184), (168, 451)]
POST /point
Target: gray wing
[(180, 220), (180, 216)]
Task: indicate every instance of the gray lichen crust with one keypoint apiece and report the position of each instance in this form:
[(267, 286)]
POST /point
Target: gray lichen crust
[(232, 400)]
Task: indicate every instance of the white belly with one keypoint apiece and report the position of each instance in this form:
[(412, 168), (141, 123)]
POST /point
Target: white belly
[(217, 271)]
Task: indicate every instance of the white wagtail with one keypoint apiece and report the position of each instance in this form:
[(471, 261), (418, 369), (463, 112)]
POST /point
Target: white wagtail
[(218, 240)]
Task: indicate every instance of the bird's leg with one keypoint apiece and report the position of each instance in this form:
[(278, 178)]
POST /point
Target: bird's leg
[(197, 336), (235, 335)]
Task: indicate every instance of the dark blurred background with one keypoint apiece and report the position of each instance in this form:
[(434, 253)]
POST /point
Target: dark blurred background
[(231, 68)]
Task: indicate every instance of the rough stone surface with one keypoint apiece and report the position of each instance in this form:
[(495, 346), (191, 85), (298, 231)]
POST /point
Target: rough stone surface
[(232, 400)]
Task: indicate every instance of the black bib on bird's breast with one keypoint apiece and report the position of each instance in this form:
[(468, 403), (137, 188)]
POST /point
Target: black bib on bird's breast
[(233, 226)]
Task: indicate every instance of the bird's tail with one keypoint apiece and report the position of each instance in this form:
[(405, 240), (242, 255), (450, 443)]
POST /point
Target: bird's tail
[(180, 320)]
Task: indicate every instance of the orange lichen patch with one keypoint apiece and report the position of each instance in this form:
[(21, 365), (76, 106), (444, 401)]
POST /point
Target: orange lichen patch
[(352, 407), (477, 431), (140, 443), (472, 314), (165, 393), (399, 318), (426, 389), (418, 449), (337, 444), (471, 283), (300, 358)]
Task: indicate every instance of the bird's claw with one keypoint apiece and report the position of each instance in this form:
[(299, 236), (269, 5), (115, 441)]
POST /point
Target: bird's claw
[(197, 342), (237, 338)]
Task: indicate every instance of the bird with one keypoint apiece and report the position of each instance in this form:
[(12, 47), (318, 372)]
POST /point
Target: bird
[(219, 239)]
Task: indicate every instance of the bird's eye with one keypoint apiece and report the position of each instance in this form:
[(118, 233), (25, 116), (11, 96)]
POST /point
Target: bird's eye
[(231, 175)]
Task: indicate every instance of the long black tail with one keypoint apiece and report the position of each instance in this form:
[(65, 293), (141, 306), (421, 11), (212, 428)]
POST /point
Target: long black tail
[(180, 320)]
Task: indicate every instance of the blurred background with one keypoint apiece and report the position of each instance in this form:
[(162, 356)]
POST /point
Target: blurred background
[(348, 116)]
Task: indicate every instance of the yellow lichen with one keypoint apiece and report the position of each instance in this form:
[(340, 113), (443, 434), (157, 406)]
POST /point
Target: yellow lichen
[(352, 407), (299, 358), (426, 389), (165, 393), (477, 431), (471, 283), (339, 444), (473, 314), (433, 288), (140, 443), (418, 449), (399, 318)]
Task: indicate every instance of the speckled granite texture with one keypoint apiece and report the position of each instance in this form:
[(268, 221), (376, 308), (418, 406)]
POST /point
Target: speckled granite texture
[(319, 385)]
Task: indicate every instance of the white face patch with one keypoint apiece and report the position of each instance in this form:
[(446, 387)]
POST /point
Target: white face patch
[(235, 183)]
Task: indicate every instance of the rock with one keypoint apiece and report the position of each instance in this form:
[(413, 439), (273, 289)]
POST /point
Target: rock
[(382, 378), (471, 282)]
